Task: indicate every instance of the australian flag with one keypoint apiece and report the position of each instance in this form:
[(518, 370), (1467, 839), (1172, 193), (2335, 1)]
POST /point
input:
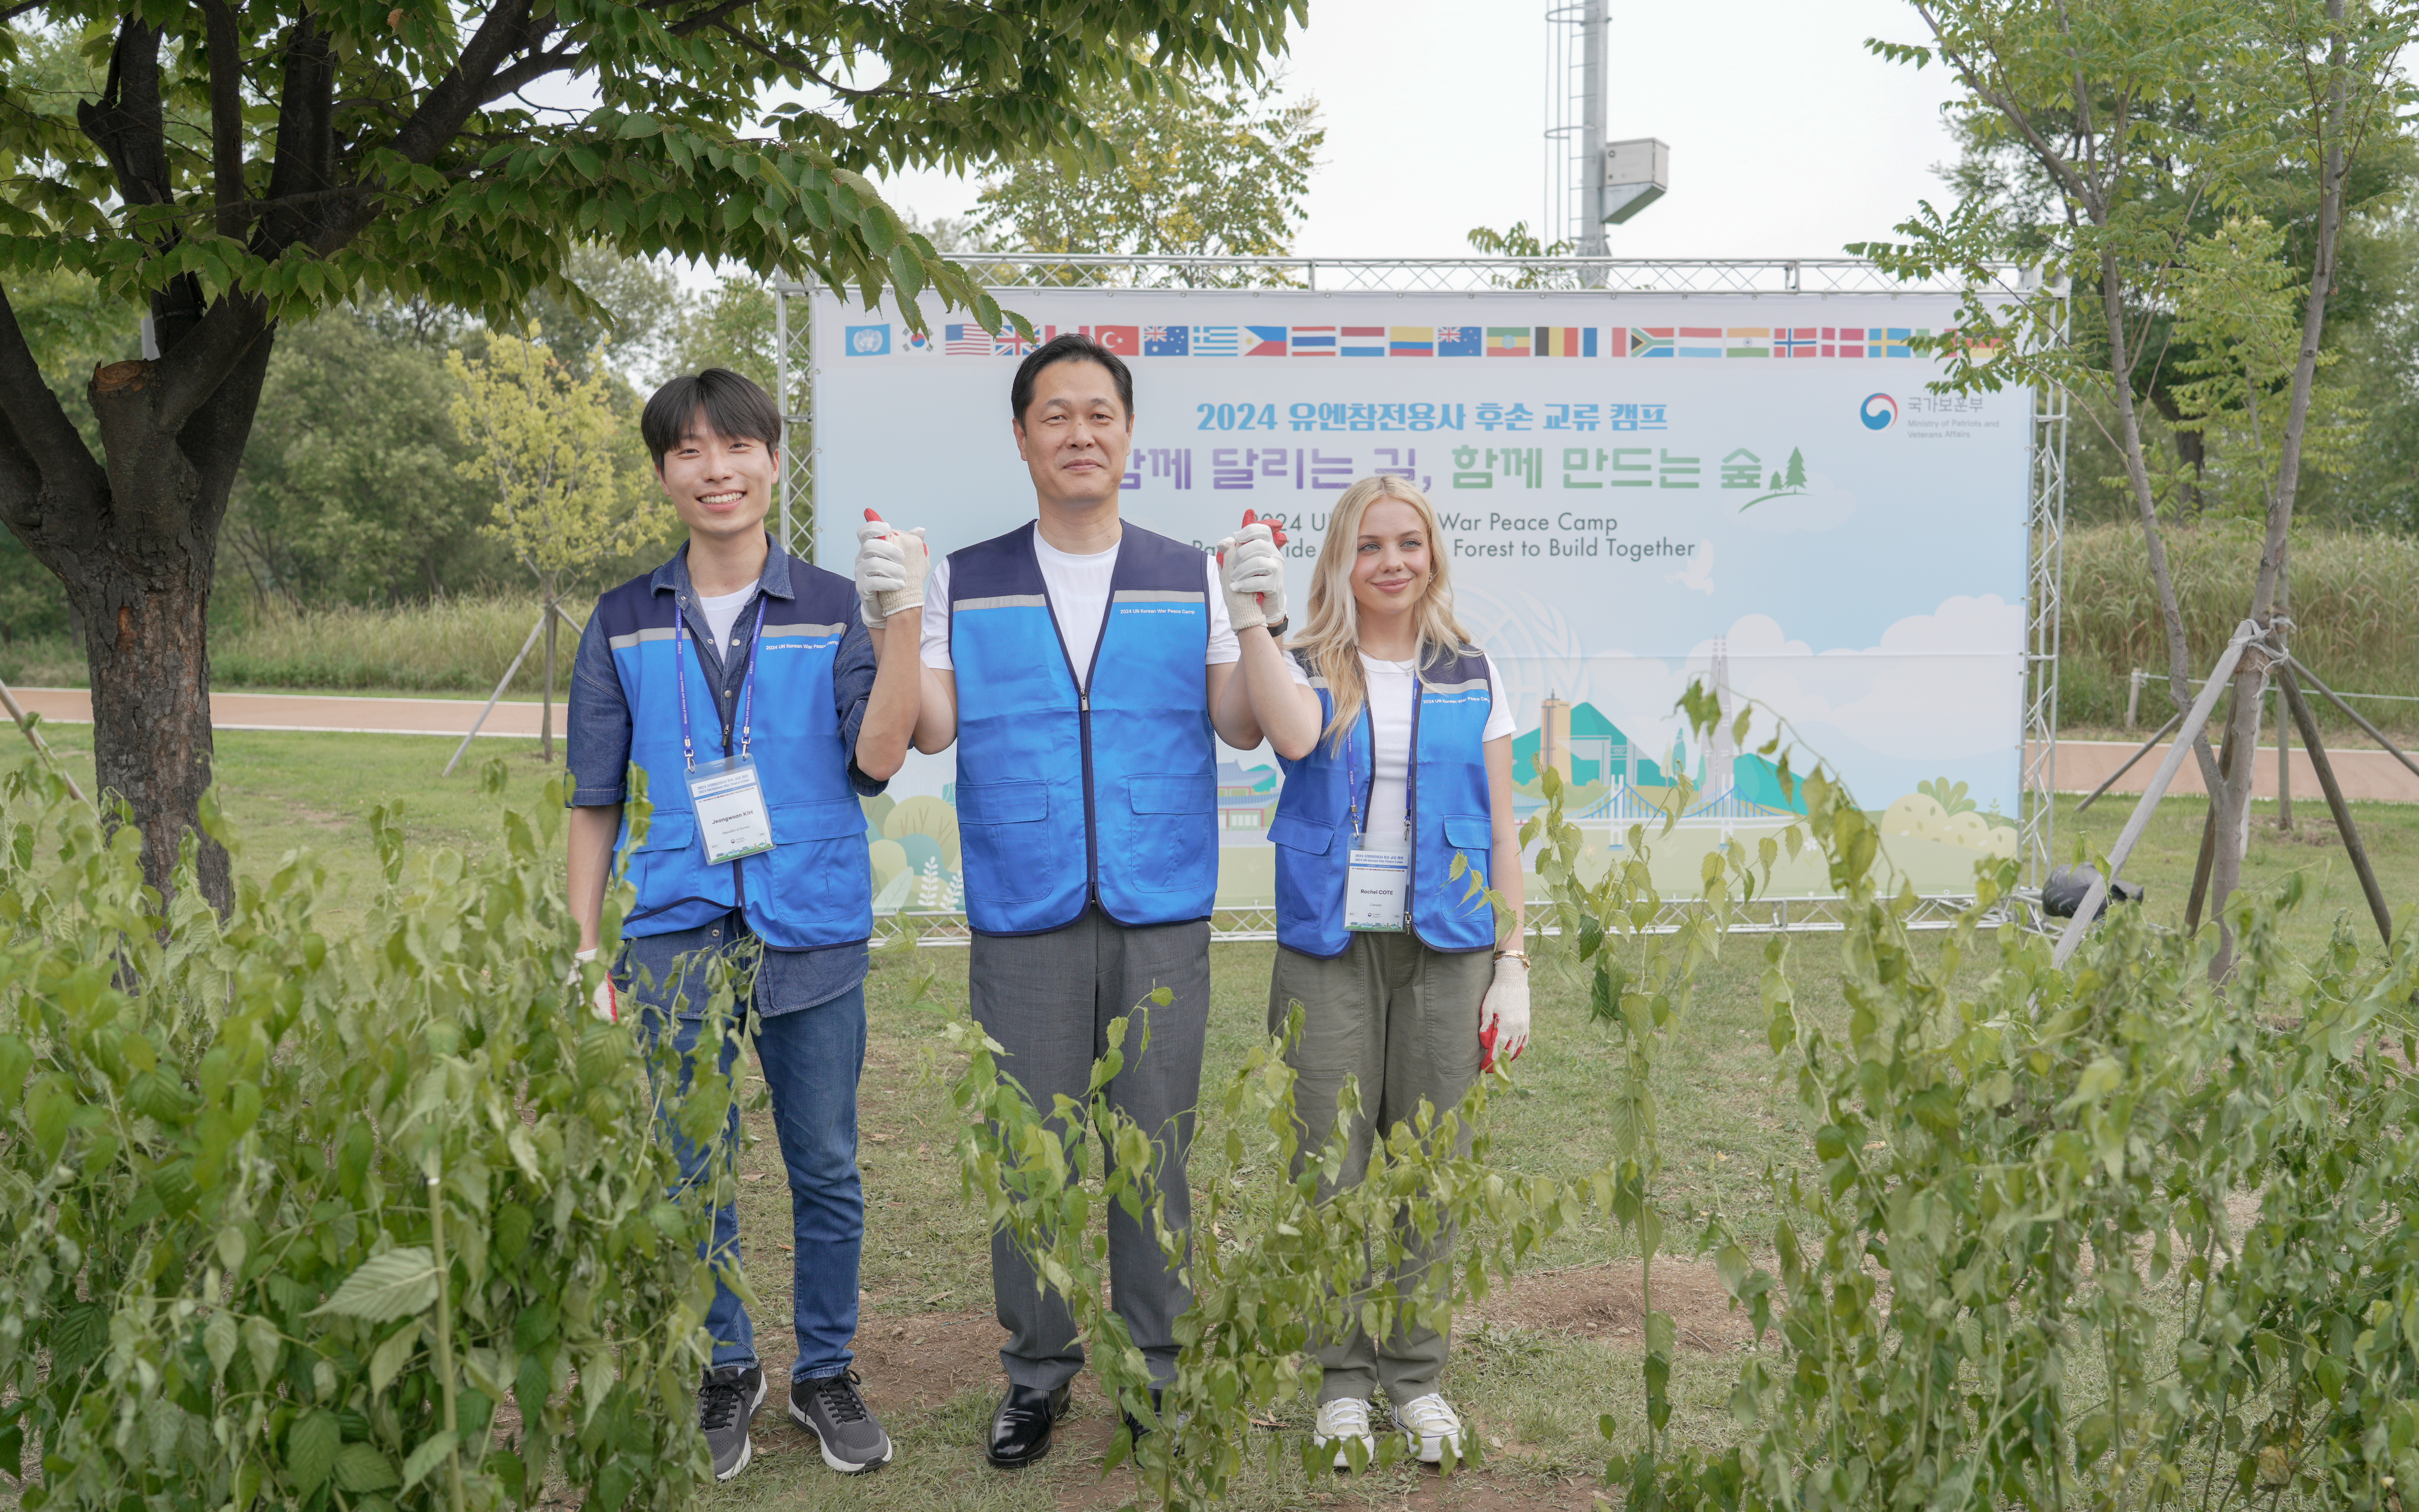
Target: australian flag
[(1166, 341)]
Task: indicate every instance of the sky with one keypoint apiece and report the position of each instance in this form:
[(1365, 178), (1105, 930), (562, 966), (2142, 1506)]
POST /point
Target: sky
[(1788, 138)]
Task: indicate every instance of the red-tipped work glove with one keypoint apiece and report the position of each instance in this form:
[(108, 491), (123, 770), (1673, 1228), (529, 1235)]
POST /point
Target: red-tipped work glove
[(605, 1002), (1252, 574)]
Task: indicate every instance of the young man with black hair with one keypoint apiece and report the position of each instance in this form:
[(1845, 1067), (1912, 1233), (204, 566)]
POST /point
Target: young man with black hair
[(745, 685), (1075, 662)]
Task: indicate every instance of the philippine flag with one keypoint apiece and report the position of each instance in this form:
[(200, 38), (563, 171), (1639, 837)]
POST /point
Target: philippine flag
[(1458, 341), (1166, 341), (1264, 340)]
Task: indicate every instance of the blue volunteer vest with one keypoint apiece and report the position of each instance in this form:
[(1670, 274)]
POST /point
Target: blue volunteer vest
[(1449, 806), (815, 886), (1065, 798)]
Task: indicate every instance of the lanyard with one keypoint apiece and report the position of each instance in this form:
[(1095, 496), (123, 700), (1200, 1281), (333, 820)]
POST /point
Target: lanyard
[(680, 671)]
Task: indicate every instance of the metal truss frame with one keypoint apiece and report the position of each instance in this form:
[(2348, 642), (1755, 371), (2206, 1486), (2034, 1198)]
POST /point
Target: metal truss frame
[(1578, 279)]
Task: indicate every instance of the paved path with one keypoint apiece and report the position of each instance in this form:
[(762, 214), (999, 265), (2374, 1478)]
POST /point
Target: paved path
[(311, 711), (2083, 764)]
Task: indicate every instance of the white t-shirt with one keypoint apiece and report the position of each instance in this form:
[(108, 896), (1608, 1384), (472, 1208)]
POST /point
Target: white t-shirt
[(1079, 596), (721, 613), (1391, 689)]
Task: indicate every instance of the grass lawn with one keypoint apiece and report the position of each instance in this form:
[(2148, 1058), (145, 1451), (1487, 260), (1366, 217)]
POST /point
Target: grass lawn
[(1532, 1372)]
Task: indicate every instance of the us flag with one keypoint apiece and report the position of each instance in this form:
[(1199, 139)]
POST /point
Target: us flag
[(966, 341)]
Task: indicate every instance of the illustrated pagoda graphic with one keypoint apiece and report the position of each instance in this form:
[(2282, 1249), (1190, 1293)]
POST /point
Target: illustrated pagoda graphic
[(1607, 779)]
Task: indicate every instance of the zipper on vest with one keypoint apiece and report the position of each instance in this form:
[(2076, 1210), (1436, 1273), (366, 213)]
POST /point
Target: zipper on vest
[(1410, 800), (1083, 718)]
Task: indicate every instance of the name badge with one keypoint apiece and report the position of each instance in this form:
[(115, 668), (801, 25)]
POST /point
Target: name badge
[(732, 819), (1377, 889)]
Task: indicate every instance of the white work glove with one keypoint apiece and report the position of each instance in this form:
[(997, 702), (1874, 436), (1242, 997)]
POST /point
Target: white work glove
[(605, 1003), (891, 568), (1506, 1008), (1252, 576)]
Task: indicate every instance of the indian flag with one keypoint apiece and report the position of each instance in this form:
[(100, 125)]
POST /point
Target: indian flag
[(1747, 341)]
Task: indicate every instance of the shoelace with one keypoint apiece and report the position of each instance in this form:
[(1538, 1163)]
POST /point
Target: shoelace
[(839, 1397), (718, 1400)]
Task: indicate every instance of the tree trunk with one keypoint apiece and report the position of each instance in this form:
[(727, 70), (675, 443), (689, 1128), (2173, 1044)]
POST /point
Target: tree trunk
[(134, 540), (545, 713)]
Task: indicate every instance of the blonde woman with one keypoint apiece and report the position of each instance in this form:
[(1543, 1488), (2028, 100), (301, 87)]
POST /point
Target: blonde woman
[(1397, 741)]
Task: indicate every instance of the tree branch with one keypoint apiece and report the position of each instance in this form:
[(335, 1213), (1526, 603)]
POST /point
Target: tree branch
[(305, 137), (189, 374), (42, 436), (227, 115), (126, 122)]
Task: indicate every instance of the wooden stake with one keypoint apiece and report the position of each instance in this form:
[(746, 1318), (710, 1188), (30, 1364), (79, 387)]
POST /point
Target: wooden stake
[(26, 723), (2335, 804)]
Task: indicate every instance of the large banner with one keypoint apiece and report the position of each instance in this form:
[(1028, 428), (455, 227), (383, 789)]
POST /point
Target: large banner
[(1637, 491)]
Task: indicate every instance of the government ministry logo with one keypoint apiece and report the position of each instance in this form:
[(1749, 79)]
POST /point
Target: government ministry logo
[(875, 341), (1879, 411)]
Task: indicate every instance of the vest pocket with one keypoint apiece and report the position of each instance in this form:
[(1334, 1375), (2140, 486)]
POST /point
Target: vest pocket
[(1474, 835), (658, 864), (817, 882), (1009, 848), (1301, 835), (1176, 833)]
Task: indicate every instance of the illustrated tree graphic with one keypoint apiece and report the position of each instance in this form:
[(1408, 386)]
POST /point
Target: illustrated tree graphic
[(1796, 477)]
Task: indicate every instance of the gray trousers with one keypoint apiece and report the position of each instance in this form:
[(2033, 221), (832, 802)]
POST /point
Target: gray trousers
[(1403, 1020), (1048, 1000)]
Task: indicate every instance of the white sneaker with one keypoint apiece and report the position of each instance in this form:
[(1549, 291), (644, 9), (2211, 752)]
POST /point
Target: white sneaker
[(1429, 1422), (1343, 1422)]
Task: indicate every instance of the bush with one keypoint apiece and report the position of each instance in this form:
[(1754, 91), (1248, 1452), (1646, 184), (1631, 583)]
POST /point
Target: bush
[(374, 1220), (2107, 1236)]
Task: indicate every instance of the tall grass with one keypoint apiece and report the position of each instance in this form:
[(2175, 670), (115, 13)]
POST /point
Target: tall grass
[(460, 645), (2355, 610)]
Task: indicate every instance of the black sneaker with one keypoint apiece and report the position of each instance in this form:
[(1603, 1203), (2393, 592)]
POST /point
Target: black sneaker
[(725, 1402), (834, 1411)]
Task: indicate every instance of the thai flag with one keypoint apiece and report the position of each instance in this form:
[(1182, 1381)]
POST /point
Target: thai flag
[(966, 341), (1166, 341), (1265, 341), (1364, 341), (1313, 341)]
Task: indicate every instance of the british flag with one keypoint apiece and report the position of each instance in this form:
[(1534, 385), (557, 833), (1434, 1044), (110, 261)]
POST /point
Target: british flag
[(1008, 343)]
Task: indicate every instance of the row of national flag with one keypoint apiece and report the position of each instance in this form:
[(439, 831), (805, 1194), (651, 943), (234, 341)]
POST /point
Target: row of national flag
[(1783, 342)]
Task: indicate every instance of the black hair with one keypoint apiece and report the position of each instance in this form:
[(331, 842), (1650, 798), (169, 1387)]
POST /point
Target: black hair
[(1071, 347), (728, 403)]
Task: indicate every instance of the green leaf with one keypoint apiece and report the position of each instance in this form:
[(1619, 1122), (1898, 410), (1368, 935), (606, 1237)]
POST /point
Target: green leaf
[(432, 1452), (639, 125), (397, 1284), (389, 1358), (311, 1446), (221, 1339), (360, 1467)]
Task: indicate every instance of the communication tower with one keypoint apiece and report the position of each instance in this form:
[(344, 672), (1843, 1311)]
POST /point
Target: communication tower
[(1590, 181)]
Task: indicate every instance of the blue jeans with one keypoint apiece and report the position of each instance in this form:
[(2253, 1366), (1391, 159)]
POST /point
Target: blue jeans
[(811, 1058)]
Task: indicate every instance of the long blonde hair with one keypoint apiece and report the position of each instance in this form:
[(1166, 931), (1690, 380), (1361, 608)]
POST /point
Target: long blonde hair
[(1331, 631)]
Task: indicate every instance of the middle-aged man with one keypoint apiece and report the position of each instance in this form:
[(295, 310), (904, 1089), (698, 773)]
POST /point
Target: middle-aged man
[(741, 681), (1075, 661)]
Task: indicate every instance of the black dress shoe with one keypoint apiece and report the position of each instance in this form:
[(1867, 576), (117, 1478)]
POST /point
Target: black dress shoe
[(1020, 1430), (1135, 1425)]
